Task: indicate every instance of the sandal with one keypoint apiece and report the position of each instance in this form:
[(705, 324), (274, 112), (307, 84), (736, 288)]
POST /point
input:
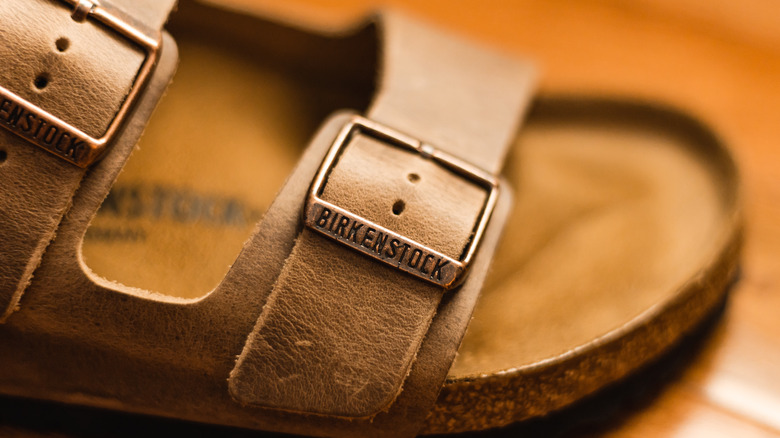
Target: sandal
[(344, 310)]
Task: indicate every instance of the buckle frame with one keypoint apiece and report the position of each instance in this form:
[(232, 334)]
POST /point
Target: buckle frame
[(81, 148), (321, 215)]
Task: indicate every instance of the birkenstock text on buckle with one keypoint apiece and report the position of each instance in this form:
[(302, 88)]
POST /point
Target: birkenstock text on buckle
[(384, 244), (50, 132)]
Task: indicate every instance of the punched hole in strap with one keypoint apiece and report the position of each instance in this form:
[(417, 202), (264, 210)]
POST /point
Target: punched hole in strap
[(41, 81), (399, 207), (62, 44)]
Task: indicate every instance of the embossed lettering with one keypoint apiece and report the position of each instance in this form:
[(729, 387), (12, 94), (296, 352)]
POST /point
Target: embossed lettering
[(368, 237), (343, 222), (414, 259), (403, 253), (437, 268), (153, 203), (352, 235), (14, 115), (28, 121), (40, 126), (393, 248), (427, 259), (323, 219), (4, 106), (78, 148), (334, 222), (379, 243), (63, 138), (50, 135)]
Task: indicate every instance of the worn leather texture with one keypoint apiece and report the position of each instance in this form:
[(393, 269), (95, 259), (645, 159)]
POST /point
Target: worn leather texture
[(81, 73), (340, 331), (464, 98), (86, 339), (131, 325)]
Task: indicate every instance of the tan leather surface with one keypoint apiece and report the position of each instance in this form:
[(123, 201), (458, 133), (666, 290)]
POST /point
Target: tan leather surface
[(140, 321), (87, 82), (340, 330), (463, 97), (81, 73), (133, 350), (329, 350), (339, 333)]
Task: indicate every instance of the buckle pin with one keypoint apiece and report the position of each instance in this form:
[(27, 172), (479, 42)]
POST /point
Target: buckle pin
[(81, 10)]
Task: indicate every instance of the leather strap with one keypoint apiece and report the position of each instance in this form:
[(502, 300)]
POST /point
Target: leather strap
[(451, 93), (79, 71), (361, 332), (340, 332), (152, 13)]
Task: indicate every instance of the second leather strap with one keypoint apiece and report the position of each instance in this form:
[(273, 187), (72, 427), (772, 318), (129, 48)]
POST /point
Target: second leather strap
[(340, 331)]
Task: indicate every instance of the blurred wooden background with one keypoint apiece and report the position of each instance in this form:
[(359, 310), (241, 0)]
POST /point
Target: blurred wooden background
[(717, 59)]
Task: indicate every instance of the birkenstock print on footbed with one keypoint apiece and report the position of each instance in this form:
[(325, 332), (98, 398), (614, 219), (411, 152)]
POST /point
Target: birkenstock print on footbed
[(623, 233)]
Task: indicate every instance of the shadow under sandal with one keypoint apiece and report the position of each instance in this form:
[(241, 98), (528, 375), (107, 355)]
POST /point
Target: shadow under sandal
[(576, 238)]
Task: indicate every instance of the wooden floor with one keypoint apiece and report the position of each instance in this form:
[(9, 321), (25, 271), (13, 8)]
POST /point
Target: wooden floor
[(717, 60), (720, 61)]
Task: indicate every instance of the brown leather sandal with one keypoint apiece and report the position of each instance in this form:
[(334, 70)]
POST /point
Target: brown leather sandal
[(344, 310)]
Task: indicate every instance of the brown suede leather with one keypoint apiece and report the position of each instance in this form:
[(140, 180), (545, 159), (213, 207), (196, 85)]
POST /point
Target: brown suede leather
[(171, 357), (80, 338), (87, 83), (451, 93), (340, 331)]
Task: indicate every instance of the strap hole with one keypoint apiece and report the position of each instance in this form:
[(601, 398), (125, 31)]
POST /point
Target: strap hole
[(399, 207), (41, 81), (413, 178), (3, 156), (62, 44)]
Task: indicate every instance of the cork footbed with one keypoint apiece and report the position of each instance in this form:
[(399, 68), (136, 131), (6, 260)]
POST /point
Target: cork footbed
[(623, 216), (611, 217)]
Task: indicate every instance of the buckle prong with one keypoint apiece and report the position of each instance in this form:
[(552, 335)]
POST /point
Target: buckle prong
[(81, 10)]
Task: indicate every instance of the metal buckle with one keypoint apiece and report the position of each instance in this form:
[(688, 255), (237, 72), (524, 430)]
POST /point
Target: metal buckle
[(442, 270), (59, 137)]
